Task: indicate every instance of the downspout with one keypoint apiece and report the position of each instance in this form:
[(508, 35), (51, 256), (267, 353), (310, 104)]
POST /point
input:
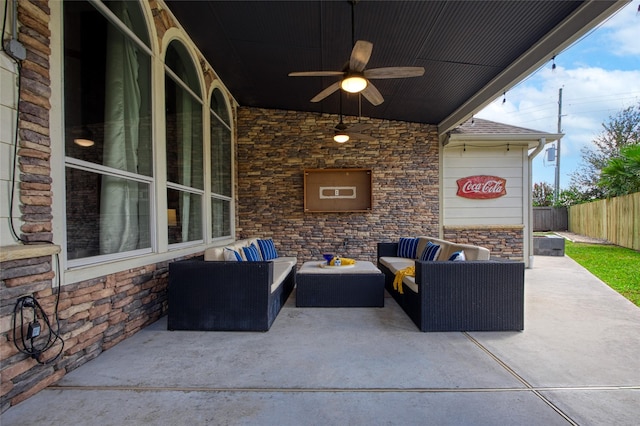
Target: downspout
[(529, 225)]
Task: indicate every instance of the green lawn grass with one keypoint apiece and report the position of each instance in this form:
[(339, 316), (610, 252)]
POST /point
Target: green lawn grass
[(618, 267)]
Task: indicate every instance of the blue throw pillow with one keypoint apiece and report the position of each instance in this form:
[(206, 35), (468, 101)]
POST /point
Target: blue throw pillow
[(232, 255), (457, 257), (251, 253), (268, 249), (430, 252), (408, 247)]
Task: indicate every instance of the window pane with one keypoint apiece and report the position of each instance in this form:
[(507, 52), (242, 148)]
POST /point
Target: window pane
[(107, 104), (179, 61), (220, 218), (107, 92), (186, 208), (129, 13), (220, 158), (184, 136), (219, 106), (105, 214)]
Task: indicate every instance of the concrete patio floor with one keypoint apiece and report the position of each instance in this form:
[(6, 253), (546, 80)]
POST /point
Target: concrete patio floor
[(576, 362)]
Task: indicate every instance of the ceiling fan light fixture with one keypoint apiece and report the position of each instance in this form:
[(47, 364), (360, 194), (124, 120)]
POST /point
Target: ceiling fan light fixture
[(354, 83), (85, 143), (341, 137), (83, 137)]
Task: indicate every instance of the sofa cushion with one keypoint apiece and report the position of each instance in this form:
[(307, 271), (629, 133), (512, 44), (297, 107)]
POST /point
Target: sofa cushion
[(409, 283), (267, 249), (285, 259), (470, 252), (217, 253), (430, 252), (394, 264), (448, 248), (408, 248), (214, 253), (281, 268)]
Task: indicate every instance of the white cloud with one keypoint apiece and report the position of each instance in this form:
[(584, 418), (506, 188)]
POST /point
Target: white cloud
[(599, 75), (624, 31)]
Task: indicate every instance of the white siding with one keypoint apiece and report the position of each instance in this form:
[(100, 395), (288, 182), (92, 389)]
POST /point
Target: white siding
[(509, 164), (8, 98)]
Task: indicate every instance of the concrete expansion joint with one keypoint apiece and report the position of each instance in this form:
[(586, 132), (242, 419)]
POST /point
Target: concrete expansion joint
[(520, 379), (334, 390)]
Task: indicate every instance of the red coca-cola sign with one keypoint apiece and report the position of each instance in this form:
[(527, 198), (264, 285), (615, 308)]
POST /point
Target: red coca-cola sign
[(481, 187)]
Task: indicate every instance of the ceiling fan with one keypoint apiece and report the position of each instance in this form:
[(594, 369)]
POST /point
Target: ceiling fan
[(355, 76), (342, 133)]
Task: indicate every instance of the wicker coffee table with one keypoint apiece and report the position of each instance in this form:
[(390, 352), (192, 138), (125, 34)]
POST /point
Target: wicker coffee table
[(350, 286)]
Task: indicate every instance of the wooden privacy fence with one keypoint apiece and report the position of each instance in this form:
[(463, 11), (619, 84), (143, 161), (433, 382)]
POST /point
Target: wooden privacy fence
[(549, 219), (615, 219)]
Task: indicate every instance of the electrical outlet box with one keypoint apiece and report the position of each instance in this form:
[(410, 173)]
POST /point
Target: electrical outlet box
[(16, 49), (34, 330)]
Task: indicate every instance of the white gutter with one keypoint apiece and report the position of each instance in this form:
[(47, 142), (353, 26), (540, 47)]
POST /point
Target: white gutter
[(507, 137), (541, 143)]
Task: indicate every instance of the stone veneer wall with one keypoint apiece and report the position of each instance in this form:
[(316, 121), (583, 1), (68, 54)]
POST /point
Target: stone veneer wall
[(94, 314), (503, 241), (274, 147), (35, 145)]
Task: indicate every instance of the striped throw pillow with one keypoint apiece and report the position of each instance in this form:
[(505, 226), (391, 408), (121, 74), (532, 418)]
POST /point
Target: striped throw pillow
[(408, 247), (430, 252), (251, 253), (232, 255), (458, 257), (268, 249)]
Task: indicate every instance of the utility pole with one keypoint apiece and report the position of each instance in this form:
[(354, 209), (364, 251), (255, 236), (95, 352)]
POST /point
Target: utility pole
[(556, 192)]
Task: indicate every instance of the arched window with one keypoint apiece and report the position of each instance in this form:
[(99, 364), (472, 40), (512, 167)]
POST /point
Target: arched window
[(185, 157), (221, 182), (107, 119)]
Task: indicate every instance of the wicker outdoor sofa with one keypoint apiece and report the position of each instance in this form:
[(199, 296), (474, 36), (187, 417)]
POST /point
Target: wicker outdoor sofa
[(223, 291), (477, 294)]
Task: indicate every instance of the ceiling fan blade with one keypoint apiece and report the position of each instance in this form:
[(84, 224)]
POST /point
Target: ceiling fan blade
[(360, 55), (394, 72), (326, 92), (372, 94), (361, 136), (359, 127), (315, 73)]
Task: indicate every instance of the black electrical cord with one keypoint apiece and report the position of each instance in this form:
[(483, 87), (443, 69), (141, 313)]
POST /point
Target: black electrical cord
[(12, 190), (31, 340), (13, 164), (4, 21), (15, 136)]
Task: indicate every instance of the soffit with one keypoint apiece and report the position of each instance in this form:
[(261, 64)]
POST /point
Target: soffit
[(471, 50)]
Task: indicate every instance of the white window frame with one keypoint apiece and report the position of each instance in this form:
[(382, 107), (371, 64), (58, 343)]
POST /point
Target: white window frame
[(189, 189), (217, 196), (71, 162)]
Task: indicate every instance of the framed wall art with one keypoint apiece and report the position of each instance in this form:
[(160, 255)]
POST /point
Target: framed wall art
[(338, 190)]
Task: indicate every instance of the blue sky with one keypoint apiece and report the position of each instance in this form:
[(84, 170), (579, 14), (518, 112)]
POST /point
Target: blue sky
[(599, 76)]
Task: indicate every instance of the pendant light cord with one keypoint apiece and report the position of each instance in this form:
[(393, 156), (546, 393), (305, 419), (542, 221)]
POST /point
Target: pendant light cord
[(353, 23)]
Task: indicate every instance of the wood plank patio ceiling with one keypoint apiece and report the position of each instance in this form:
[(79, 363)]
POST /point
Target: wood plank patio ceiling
[(466, 47)]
